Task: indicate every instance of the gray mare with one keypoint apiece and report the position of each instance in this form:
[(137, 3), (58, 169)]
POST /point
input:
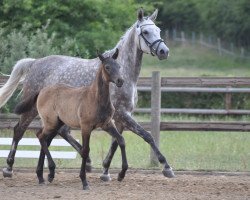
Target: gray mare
[(141, 37)]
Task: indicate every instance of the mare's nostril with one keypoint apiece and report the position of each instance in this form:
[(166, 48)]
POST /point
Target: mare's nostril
[(162, 51)]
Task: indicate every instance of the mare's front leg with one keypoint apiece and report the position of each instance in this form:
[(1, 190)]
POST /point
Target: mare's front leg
[(111, 129), (85, 155), (41, 136), (19, 130), (131, 124)]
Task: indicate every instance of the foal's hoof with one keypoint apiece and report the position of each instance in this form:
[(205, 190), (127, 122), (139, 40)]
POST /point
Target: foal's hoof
[(86, 187), (50, 178), (7, 173), (168, 172), (105, 177), (41, 182), (119, 178)]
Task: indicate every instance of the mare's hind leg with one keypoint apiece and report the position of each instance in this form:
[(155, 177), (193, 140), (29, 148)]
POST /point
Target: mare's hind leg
[(64, 132), (19, 130), (107, 161), (111, 129), (39, 169)]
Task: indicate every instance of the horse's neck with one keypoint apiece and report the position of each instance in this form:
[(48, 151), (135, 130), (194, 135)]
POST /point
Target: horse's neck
[(101, 87), (130, 57)]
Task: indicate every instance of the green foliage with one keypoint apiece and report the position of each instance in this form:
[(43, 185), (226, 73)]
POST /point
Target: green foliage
[(91, 24), (227, 19)]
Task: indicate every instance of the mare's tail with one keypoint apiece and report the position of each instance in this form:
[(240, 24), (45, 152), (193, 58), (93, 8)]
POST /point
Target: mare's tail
[(26, 104), (17, 75)]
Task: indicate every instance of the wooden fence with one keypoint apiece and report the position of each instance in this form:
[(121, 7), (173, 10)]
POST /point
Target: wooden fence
[(156, 85), (208, 41)]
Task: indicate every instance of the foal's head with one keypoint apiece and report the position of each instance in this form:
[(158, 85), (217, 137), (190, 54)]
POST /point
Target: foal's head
[(111, 69)]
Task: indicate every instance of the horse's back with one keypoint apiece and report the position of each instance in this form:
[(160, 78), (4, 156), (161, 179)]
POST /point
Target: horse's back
[(55, 69)]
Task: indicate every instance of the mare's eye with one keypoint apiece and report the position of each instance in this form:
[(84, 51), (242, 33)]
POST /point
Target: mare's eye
[(145, 32)]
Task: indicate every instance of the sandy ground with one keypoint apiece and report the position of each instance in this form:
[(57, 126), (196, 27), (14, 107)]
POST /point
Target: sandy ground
[(150, 185)]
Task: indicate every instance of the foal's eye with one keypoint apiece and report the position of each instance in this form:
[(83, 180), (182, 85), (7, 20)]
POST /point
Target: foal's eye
[(107, 67), (145, 32)]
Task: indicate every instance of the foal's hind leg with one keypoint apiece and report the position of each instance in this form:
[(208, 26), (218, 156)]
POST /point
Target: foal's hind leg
[(41, 136), (19, 130), (39, 169)]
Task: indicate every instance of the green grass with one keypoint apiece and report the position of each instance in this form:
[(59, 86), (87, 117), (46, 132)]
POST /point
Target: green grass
[(195, 61), (227, 151)]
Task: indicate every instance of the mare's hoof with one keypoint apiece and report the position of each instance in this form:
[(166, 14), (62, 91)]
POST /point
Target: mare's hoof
[(50, 179), (88, 167), (86, 187), (168, 172), (7, 173), (105, 177)]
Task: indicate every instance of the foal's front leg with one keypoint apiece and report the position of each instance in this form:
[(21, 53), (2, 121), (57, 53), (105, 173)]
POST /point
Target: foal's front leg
[(85, 155), (111, 129)]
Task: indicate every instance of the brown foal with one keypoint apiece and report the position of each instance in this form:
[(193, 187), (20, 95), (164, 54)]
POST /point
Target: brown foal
[(86, 108)]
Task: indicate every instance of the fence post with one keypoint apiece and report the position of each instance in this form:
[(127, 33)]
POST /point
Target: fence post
[(219, 46), (174, 34), (201, 39), (183, 40), (242, 52), (155, 113), (228, 100), (193, 38), (166, 35)]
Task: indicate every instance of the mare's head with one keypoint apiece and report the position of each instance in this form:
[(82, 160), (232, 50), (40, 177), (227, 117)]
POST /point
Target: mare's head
[(148, 36), (111, 69)]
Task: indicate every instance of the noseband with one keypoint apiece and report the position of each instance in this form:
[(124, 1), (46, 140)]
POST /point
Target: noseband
[(150, 45)]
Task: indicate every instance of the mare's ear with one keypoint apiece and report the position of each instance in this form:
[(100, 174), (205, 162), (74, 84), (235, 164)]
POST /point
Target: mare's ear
[(115, 55), (154, 15), (101, 57), (140, 14)]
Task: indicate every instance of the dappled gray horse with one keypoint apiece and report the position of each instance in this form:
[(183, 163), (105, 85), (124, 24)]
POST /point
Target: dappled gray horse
[(142, 37)]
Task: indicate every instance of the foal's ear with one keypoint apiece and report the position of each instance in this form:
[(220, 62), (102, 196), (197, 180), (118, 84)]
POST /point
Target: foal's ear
[(115, 55), (154, 15), (140, 14), (101, 57)]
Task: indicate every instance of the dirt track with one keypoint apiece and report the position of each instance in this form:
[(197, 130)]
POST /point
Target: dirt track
[(136, 185)]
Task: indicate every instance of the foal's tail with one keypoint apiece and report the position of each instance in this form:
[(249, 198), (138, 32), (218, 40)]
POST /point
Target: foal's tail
[(17, 75), (26, 104)]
